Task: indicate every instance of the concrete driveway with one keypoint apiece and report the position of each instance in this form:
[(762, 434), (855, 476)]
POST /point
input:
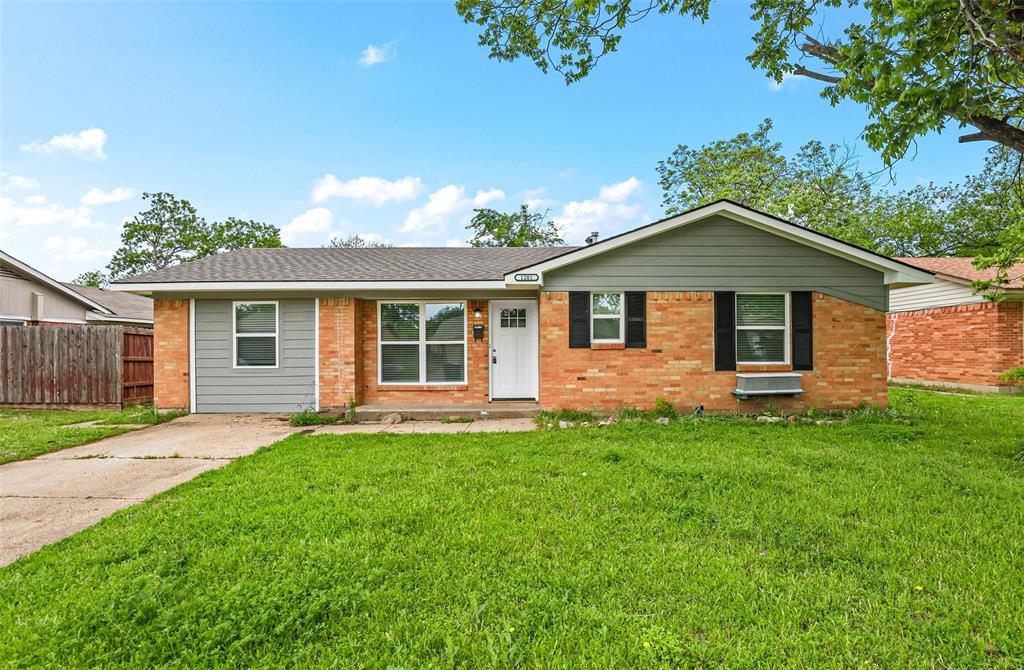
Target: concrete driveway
[(50, 497)]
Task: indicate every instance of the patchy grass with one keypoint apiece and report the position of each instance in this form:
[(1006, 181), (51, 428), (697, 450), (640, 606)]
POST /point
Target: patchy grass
[(29, 433), (312, 418), (894, 540), (571, 415), (457, 419)]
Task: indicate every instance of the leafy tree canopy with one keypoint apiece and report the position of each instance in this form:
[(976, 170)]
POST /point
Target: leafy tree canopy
[(823, 188), (355, 242), (524, 228), (172, 232), (93, 278), (916, 66)]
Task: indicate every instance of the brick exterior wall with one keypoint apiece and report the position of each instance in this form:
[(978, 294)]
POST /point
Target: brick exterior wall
[(476, 390), (965, 345), (170, 354), (678, 362), (341, 352)]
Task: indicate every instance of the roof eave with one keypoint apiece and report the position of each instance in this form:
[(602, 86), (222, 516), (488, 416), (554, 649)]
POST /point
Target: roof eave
[(53, 283), (894, 272)]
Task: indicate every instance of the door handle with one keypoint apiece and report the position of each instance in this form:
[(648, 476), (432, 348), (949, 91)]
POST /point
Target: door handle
[(494, 360)]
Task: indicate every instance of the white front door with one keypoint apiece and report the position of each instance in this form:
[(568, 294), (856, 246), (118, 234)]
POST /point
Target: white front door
[(513, 349)]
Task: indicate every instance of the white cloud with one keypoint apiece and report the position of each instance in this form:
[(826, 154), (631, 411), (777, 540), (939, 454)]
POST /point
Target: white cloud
[(373, 190), (605, 213), (35, 200), (534, 198), (70, 255), (25, 183), (38, 213), (97, 196), (316, 220), (445, 204), (620, 191), (88, 144), (777, 85), (375, 55), (455, 242)]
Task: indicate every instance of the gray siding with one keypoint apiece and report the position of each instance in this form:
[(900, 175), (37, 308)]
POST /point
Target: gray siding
[(220, 387), (943, 293), (720, 254), (16, 300)]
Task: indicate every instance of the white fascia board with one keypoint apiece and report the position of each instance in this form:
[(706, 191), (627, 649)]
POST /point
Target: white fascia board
[(52, 283), (893, 271), (92, 316), (199, 287)]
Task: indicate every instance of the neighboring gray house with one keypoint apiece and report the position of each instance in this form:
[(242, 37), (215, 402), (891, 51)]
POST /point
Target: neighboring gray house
[(30, 298)]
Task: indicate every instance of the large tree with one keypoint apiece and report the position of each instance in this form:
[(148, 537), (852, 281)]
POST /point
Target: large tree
[(916, 66), (524, 228), (822, 187), (93, 278), (172, 232)]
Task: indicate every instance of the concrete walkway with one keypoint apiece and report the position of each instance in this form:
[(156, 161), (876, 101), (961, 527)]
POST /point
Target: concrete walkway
[(55, 495)]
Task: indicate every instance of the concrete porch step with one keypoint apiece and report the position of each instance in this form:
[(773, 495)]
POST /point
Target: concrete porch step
[(426, 412)]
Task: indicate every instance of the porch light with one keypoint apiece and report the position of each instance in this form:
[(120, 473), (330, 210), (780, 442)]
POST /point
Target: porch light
[(476, 313)]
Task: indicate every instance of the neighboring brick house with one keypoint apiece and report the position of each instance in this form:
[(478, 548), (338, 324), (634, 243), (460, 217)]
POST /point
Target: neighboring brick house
[(944, 334), (721, 306)]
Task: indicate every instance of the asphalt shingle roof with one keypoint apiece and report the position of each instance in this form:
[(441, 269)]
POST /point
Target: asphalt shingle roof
[(963, 268), (345, 264), (125, 305)]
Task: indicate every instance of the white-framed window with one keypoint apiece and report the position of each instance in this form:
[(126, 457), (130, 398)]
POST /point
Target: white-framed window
[(254, 326), (607, 320), (762, 328), (421, 342)]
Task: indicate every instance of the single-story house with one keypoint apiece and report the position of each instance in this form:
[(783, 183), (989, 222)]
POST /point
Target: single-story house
[(721, 306), (944, 334), (30, 298)]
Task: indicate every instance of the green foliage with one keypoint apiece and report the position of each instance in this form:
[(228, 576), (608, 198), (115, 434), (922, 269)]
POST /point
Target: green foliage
[(1013, 376), (524, 228), (350, 413), (822, 188), (915, 66), (93, 278), (664, 409), (309, 417), (998, 194), (457, 419), (171, 232), (571, 415), (28, 433), (705, 544), (355, 242)]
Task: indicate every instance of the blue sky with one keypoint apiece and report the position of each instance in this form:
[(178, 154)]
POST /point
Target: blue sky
[(384, 119)]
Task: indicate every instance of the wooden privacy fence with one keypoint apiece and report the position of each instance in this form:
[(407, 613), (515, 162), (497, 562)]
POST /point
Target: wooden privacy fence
[(48, 366)]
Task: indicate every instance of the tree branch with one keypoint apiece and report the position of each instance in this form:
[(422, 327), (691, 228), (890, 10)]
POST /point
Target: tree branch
[(804, 72), (995, 130)]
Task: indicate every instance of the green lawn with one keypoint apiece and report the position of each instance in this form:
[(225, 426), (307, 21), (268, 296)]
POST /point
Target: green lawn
[(28, 433), (892, 541)]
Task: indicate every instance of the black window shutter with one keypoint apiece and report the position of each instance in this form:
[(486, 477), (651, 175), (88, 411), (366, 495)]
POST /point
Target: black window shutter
[(725, 330), (803, 330), (579, 320), (636, 319)]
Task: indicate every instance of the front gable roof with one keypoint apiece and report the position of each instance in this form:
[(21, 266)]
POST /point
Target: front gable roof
[(30, 273), (895, 272)]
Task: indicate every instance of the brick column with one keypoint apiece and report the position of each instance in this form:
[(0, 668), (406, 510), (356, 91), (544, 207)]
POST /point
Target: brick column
[(170, 355), (341, 352)]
